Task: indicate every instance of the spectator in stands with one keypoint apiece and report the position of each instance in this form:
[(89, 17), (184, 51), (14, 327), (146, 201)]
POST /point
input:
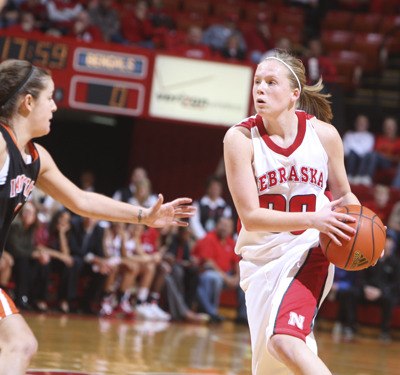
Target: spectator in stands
[(209, 208), (357, 144), (87, 180), (26, 24), (386, 154), (217, 34), (136, 25), (66, 260), (105, 16), (219, 265), (232, 48), (393, 225), (31, 265), (380, 285), (181, 281), (258, 38), (318, 64), (143, 194), (193, 47), (282, 43), (381, 204), (344, 291), (87, 238), (126, 193), (83, 30), (39, 11), (160, 17), (62, 13)]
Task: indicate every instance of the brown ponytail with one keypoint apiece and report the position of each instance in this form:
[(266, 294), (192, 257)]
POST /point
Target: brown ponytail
[(311, 100)]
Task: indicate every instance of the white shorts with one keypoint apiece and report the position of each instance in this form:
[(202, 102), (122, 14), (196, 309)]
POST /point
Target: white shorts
[(283, 297)]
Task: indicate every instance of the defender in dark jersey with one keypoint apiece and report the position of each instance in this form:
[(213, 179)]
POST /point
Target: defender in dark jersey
[(26, 109)]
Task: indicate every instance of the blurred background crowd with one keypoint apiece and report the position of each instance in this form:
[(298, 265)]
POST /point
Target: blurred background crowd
[(57, 260)]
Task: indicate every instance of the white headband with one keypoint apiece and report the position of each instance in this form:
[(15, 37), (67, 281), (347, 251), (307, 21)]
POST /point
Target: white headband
[(287, 66)]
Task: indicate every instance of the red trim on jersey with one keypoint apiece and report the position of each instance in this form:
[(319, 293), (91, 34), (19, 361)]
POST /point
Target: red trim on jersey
[(7, 306), (301, 131), (31, 147), (300, 303)]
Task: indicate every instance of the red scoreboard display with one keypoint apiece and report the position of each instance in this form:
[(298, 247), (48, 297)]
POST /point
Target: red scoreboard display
[(97, 77)]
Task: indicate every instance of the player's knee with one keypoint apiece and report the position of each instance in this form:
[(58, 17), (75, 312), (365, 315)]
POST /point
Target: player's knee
[(24, 348), (280, 347)]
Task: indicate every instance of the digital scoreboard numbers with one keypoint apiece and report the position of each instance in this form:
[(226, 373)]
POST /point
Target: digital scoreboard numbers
[(107, 95), (44, 53)]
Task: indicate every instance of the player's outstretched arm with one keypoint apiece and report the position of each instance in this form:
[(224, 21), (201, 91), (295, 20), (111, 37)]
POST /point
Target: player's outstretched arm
[(98, 206)]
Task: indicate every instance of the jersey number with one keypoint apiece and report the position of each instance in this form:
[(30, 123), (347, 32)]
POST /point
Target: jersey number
[(297, 203)]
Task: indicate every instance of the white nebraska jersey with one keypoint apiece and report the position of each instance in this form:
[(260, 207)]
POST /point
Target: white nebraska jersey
[(292, 179)]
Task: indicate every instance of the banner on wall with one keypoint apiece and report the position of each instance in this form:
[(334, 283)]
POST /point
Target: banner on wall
[(200, 91)]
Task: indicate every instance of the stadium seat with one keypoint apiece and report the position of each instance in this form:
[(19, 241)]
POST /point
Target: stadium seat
[(366, 22), (371, 46), (337, 20), (227, 9), (183, 20), (172, 5), (201, 7), (349, 68), (288, 31), (252, 11), (336, 40), (291, 16)]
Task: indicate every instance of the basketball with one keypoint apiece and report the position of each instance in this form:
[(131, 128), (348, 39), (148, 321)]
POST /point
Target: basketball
[(365, 246)]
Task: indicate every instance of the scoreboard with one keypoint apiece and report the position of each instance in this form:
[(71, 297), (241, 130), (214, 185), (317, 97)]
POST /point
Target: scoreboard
[(94, 77), (131, 81)]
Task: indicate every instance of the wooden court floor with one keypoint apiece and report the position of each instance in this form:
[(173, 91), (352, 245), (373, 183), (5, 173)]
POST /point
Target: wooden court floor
[(73, 344)]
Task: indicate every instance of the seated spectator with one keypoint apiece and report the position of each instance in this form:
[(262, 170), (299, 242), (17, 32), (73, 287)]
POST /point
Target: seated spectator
[(82, 29), (281, 44), (193, 46), (219, 268), (87, 180), (160, 17), (357, 144), (344, 291), (393, 225), (126, 193), (87, 238), (318, 64), (386, 154), (181, 281), (209, 208), (232, 49), (143, 195), (62, 13), (136, 25), (380, 285), (217, 34), (26, 24), (39, 11), (31, 265), (105, 17), (381, 204), (67, 262), (258, 39)]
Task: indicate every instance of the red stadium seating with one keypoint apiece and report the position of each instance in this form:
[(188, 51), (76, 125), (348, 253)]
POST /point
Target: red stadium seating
[(349, 68), (366, 23), (291, 16), (252, 11), (195, 6), (337, 20), (336, 40), (370, 45)]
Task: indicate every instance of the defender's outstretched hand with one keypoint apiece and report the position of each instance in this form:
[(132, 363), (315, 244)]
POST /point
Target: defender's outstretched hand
[(170, 213)]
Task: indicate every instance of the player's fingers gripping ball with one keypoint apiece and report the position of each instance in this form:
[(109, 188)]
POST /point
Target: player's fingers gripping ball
[(364, 248)]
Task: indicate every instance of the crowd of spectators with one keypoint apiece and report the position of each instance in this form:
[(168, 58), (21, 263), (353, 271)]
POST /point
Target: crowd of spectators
[(58, 260)]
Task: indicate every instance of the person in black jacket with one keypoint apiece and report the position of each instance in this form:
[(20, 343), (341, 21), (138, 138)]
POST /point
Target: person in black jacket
[(380, 285)]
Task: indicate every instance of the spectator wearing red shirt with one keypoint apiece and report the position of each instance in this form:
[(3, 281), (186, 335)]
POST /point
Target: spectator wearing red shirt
[(193, 47), (386, 154), (136, 25), (26, 24), (83, 30), (219, 265), (380, 204)]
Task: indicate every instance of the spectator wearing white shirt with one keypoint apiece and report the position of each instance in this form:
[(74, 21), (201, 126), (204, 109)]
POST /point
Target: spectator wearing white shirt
[(209, 208), (357, 144)]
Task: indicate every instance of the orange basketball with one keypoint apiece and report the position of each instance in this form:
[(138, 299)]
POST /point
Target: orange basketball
[(365, 246)]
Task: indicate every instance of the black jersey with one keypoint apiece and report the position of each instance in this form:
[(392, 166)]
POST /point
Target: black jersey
[(19, 184)]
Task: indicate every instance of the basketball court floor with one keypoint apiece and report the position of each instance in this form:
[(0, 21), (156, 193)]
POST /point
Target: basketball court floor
[(74, 344)]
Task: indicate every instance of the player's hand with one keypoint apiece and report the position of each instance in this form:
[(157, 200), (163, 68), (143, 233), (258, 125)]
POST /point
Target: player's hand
[(333, 223), (170, 213)]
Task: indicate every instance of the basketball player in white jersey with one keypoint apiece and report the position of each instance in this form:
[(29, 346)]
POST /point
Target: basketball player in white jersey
[(278, 164)]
